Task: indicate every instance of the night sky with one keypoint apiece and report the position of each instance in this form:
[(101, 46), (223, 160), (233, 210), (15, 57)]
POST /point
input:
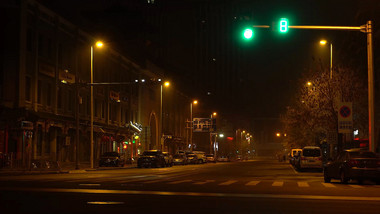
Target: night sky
[(268, 68)]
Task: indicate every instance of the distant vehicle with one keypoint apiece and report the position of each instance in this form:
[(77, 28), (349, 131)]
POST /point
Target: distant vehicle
[(210, 158), (151, 158), (179, 159), (294, 153), (201, 156), (223, 159), (192, 158), (111, 159), (168, 159), (309, 157), (353, 164)]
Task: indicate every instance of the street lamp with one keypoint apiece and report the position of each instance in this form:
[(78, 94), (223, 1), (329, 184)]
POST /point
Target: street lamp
[(166, 84), (98, 44), (323, 43), (191, 119)]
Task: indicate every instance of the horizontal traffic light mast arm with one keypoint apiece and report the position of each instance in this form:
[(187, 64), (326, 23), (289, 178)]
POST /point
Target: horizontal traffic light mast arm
[(316, 27), (260, 26)]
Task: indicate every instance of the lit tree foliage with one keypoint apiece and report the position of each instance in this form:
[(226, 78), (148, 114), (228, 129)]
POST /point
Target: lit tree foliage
[(313, 113)]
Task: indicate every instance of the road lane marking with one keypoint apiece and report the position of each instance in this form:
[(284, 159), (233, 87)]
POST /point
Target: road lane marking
[(228, 183), (356, 186), (181, 181), (104, 202), (278, 184), (89, 185), (193, 194), (328, 185), (302, 184), (204, 182), (252, 183)]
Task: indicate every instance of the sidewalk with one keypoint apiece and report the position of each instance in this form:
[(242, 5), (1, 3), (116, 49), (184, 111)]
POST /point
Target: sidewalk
[(65, 167)]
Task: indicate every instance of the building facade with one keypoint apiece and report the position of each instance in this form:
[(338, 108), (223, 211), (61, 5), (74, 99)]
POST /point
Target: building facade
[(45, 99)]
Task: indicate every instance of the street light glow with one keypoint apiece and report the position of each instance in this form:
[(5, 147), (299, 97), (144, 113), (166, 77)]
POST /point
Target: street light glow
[(167, 84), (323, 42), (195, 102), (214, 113), (278, 134), (309, 83), (99, 44), (221, 135)]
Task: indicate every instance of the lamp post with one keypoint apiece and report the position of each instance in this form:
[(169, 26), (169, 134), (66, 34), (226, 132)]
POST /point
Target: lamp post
[(191, 122), (98, 44), (324, 42), (166, 84), (211, 134)]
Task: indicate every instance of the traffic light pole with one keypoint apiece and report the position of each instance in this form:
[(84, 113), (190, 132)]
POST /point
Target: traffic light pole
[(367, 28)]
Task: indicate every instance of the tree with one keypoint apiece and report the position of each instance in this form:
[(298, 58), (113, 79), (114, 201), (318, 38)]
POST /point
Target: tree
[(313, 115)]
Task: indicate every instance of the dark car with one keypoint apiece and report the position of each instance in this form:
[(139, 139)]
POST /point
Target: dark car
[(192, 158), (168, 159), (179, 159), (353, 164), (111, 159), (151, 158)]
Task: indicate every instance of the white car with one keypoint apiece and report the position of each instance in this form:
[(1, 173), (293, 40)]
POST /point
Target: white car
[(223, 159), (310, 157)]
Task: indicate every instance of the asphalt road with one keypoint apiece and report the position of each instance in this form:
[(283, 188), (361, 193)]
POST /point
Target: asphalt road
[(258, 186)]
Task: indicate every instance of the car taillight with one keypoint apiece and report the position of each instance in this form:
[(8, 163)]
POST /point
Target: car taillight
[(353, 163)]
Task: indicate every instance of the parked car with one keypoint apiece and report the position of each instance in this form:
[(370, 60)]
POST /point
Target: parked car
[(293, 154), (111, 159), (192, 158), (179, 159), (353, 164), (223, 159), (201, 156), (151, 158), (309, 157), (168, 159), (210, 158)]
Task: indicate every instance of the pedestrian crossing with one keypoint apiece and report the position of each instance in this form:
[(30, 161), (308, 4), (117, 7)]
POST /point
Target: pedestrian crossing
[(158, 180)]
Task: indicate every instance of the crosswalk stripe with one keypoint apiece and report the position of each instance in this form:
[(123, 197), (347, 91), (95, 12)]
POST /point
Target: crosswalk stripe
[(204, 182), (227, 182), (181, 181), (278, 184), (252, 183), (303, 184), (328, 185), (356, 186)]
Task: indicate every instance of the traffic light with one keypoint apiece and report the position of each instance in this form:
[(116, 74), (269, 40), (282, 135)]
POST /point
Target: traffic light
[(248, 33), (283, 27)]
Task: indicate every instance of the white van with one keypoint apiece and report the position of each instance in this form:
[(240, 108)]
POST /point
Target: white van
[(310, 157)]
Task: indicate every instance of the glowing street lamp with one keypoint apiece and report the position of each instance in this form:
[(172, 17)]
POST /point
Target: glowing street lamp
[(323, 43), (98, 44), (166, 84), (195, 102)]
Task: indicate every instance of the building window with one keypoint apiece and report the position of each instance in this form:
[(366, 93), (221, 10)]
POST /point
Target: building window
[(39, 92), (59, 97), (29, 40), (103, 109), (40, 45), (60, 54), (48, 97), (28, 88), (71, 100)]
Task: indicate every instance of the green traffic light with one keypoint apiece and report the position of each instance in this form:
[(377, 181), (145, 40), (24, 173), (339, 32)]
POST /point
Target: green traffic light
[(283, 25), (248, 33)]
